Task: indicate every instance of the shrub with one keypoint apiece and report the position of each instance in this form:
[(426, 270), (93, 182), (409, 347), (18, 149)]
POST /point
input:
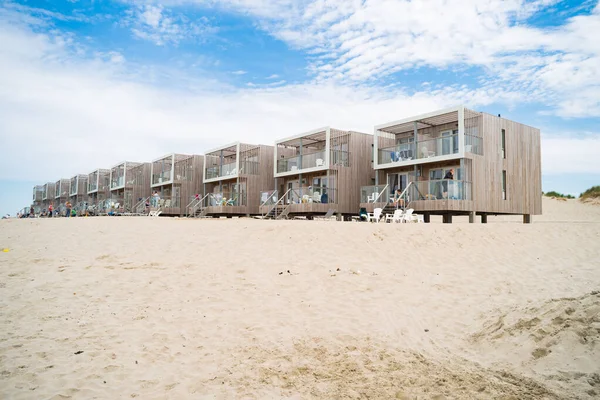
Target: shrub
[(591, 193), (559, 195)]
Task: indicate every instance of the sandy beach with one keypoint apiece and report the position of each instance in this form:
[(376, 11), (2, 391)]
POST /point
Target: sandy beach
[(167, 308)]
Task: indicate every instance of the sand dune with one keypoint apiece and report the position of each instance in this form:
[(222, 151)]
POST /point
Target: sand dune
[(171, 308)]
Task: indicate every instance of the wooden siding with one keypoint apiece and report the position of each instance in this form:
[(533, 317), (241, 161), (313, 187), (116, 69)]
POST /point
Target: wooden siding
[(347, 180), (522, 166), (254, 183), (187, 181)]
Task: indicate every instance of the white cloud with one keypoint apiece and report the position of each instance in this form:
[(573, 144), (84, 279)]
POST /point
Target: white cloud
[(91, 111), (566, 154), (357, 41), (160, 26), (274, 76), (240, 72)]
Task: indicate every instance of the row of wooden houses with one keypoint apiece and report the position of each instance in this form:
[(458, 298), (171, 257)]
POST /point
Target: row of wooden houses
[(449, 162)]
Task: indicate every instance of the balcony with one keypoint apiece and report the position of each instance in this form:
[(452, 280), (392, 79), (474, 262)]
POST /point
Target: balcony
[(405, 153), (305, 161), (432, 195), (442, 135), (228, 170), (161, 178), (117, 182)]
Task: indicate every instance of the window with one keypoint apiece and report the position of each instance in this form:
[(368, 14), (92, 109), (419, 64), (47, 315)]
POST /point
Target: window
[(503, 185), (450, 142), (503, 143)]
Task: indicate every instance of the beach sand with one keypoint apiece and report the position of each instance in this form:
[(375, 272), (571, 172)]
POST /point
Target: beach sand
[(166, 308)]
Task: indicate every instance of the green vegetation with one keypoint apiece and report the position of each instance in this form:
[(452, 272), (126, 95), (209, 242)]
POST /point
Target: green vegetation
[(560, 195), (591, 193)]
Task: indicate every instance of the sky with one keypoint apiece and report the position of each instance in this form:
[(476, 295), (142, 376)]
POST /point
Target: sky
[(86, 84)]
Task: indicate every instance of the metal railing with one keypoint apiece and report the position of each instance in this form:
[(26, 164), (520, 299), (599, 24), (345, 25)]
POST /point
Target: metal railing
[(195, 204), (218, 171), (373, 193), (305, 195), (276, 203), (474, 144), (161, 177), (310, 160), (435, 147), (227, 199)]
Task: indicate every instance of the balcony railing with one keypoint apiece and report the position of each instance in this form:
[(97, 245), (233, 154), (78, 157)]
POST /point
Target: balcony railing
[(374, 194), (441, 146), (304, 195), (226, 199), (269, 198), (164, 176), (441, 189), (310, 160), (218, 171), (474, 144), (117, 182)]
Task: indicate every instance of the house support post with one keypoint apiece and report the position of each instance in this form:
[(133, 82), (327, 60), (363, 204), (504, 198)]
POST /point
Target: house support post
[(447, 218), (526, 218), (472, 217), (484, 218), (427, 218)]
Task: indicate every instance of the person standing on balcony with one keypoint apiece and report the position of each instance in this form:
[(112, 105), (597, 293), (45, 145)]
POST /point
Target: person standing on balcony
[(449, 176), (155, 199)]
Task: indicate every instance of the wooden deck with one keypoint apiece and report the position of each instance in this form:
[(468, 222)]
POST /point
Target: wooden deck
[(312, 208), (226, 210)]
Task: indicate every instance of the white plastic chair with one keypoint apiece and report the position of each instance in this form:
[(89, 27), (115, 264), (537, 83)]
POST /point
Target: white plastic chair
[(375, 216), (316, 197), (395, 217), (320, 162), (408, 215)]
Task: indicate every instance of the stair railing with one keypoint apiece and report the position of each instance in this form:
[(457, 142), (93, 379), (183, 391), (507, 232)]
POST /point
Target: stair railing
[(282, 198), (380, 193)]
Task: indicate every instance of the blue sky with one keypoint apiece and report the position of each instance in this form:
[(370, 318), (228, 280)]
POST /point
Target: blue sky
[(87, 84)]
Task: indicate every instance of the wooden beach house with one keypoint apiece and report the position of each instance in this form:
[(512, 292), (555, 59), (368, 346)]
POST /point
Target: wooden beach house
[(78, 192), (48, 195), (38, 199), (129, 187), (61, 195), (456, 162), (234, 177), (177, 180), (98, 190), (320, 173)]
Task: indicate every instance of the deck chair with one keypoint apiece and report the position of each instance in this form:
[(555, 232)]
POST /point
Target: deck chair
[(409, 216), (327, 217), (154, 213), (316, 197), (395, 217), (168, 203), (320, 162), (375, 216)]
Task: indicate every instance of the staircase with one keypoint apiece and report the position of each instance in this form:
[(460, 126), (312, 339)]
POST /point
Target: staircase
[(200, 212), (279, 211)]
